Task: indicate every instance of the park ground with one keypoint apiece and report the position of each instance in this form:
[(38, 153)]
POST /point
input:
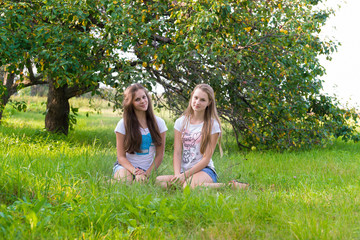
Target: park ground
[(56, 187)]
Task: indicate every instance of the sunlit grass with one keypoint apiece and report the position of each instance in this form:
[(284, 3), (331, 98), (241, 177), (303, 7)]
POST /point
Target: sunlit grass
[(56, 187)]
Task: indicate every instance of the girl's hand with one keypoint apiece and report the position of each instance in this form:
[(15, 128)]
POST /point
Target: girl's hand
[(178, 178), (138, 171), (141, 178)]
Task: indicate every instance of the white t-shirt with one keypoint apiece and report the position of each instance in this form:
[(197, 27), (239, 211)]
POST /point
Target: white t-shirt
[(191, 139), (144, 158)]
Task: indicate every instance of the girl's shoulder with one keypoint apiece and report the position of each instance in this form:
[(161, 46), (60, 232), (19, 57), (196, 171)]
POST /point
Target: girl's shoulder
[(120, 127), (121, 122), (159, 120), (180, 120), (180, 123), (216, 127), (161, 124), (215, 122)]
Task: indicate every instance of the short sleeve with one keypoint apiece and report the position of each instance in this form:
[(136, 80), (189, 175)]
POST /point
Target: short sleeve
[(178, 123), (161, 124), (215, 127), (120, 127)]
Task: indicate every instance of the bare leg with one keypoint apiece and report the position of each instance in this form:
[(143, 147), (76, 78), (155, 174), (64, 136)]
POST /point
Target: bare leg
[(203, 179), (123, 175), (164, 180), (238, 185), (198, 179)]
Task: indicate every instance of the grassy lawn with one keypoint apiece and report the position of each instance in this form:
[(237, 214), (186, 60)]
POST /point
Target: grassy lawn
[(56, 187)]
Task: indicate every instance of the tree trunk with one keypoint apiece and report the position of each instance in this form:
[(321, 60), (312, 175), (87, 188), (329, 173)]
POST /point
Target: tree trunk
[(58, 109), (8, 80), (4, 100)]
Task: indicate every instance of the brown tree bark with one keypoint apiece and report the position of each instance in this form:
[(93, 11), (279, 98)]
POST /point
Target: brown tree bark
[(57, 110), (8, 80)]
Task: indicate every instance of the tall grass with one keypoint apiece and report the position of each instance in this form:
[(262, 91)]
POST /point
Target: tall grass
[(56, 187)]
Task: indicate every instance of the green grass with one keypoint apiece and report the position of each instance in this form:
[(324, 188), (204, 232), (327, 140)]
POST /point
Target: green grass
[(55, 187)]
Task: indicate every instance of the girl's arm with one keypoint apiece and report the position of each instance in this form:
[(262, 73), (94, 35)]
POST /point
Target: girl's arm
[(121, 155), (177, 158), (159, 155), (206, 157)]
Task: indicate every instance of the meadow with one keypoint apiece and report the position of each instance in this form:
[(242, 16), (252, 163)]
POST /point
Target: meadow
[(56, 187)]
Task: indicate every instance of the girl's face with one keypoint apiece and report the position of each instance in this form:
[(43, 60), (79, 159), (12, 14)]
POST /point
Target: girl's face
[(200, 100), (140, 100)]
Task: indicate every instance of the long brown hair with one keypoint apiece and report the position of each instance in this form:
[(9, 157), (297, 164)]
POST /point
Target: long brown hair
[(133, 137), (209, 117)]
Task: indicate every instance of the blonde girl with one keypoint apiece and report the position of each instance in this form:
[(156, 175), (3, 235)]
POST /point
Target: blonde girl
[(197, 132), (140, 137)]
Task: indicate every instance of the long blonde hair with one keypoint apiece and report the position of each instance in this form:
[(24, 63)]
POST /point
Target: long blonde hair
[(133, 137), (210, 115)]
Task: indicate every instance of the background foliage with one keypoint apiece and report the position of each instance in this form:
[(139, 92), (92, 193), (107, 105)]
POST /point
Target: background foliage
[(261, 58)]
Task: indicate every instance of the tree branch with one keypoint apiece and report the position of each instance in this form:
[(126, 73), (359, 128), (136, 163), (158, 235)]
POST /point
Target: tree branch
[(78, 90)]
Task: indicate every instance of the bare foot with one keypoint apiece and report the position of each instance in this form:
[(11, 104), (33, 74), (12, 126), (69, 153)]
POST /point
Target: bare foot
[(239, 185)]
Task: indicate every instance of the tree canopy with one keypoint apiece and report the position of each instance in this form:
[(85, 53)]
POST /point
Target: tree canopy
[(261, 58), (62, 43)]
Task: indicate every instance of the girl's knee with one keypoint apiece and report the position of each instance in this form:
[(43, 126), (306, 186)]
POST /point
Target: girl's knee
[(164, 178), (199, 179), (123, 175), (159, 179), (163, 181)]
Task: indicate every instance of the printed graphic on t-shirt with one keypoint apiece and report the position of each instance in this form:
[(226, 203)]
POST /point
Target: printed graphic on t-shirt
[(146, 141), (190, 140)]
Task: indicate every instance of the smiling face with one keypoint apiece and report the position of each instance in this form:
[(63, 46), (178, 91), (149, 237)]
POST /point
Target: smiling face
[(140, 101), (199, 101)]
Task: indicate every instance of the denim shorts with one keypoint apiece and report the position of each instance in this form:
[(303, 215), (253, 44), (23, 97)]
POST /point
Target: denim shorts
[(211, 173)]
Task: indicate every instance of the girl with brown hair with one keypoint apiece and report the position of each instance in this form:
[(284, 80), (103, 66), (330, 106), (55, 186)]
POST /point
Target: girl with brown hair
[(140, 137)]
